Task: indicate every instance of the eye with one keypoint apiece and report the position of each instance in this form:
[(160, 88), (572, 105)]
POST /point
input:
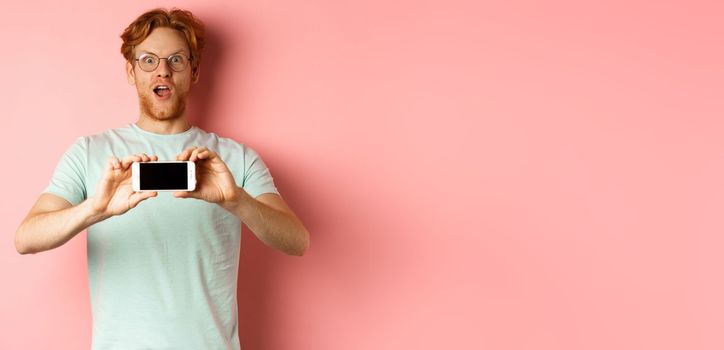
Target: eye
[(176, 59), (148, 59)]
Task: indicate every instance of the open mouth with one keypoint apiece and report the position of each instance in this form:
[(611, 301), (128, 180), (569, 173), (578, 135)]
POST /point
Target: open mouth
[(162, 91)]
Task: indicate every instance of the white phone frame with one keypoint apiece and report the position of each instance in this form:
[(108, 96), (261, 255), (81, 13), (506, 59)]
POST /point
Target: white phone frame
[(190, 173)]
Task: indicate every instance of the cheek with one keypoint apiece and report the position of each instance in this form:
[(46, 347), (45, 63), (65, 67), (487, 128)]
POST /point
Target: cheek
[(141, 85), (183, 86)]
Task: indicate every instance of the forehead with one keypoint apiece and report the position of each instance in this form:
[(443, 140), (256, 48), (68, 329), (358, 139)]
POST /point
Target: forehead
[(163, 41)]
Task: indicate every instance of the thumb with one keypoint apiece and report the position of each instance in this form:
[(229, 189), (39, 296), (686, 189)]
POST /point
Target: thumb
[(112, 164), (137, 197), (185, 194)]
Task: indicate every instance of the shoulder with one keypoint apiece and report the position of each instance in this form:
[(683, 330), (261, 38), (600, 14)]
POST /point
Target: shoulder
[(224, 145), (236, 154), (109, 135)]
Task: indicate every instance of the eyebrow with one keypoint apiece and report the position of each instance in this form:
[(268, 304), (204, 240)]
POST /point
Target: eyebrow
[(177, 51)]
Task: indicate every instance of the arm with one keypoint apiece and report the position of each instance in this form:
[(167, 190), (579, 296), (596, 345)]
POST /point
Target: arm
[(51, 222), (271, 220), (269, 217)]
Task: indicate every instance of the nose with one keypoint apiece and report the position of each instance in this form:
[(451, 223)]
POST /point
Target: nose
[(163, 69)]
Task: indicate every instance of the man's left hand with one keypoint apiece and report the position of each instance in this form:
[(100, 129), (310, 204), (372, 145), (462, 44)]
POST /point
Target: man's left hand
[(214, 181)]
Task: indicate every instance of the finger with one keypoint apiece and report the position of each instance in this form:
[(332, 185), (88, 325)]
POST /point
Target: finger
[(206, 154), (117, 165), (185, 194), (114, 162), (154, 158), (110, 166), (195, 154), (144, 157), (130, 159), (185, 154), (138, 197), (192, 158)]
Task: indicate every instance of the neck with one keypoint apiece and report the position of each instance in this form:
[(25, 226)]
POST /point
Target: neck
[(165, 127)]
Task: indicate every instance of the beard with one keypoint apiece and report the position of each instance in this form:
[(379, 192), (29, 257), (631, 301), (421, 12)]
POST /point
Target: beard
[(152, 109)]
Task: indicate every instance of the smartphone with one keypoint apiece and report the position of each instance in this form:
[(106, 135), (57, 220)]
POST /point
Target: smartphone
[(163, 176)]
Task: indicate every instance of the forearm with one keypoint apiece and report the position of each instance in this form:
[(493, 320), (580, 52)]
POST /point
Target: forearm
[(50, 230), (275, 228)]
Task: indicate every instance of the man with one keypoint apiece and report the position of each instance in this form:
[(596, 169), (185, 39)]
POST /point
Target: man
[(162, 267)]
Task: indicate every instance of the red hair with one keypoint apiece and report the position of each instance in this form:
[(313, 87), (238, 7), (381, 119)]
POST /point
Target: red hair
[(182, 20)]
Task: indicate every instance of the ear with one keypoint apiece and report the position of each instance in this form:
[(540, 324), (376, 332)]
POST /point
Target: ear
[(130, 74), (195, 74)]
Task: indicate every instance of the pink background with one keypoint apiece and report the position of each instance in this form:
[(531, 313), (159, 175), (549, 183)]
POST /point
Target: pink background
[(474, 175)]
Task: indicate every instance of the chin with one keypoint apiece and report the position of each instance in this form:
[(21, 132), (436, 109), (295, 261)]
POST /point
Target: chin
[(165, 114), (162, 110)]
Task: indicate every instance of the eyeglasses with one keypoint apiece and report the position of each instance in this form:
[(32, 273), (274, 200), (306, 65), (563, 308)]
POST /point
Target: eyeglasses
[(148, 62)]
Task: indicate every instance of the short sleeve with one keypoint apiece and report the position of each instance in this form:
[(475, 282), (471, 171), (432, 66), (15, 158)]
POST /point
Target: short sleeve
[(69, 178), (257, 178)]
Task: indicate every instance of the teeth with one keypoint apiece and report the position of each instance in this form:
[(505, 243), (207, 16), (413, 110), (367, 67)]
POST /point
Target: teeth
[(162, 87)]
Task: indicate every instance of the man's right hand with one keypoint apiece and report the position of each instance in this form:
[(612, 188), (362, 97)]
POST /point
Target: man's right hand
[(114, 193)]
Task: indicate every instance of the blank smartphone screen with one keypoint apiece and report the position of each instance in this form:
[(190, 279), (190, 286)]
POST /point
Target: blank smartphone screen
[(163, 176)]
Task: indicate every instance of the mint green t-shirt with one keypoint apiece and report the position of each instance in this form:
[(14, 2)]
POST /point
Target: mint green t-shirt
[(164, 274)]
